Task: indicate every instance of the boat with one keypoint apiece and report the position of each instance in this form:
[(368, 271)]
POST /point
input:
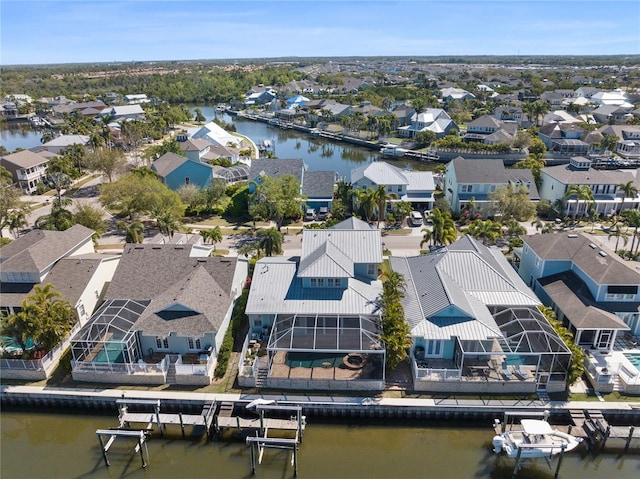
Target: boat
[(536, 439), (393, 151)]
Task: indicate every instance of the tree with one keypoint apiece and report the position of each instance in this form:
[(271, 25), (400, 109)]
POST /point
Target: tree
[(619, 231), (11, 207), (425, 138), (365, 202), (134, 194), (427, 236), (60, 218), (380, 198), (270, 241), (576, 367), (16, 220), (134, 231), (59, 181), (166, 221), (109, 162), (632, 218), (630, 191), (535, 163), (213, 235), (199, 117), (90, 216), (514, 229), (487, 230), (396, 334), (581, 193), (512, 202), (46, 318), (276, 199), (444, 229)]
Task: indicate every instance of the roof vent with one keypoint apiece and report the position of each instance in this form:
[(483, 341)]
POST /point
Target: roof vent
[(592, 246), (603, 254), (572, 236)]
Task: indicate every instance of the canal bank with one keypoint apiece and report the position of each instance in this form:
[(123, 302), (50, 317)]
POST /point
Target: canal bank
[(33, 397)]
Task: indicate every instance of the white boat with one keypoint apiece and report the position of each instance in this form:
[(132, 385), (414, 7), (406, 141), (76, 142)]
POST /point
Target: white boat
[(393, 151), (536, 439)]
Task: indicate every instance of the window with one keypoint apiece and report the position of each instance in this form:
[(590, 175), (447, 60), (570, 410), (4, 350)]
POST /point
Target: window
[(187, 180), (162, 342), (81, 310), (624, 293), (333, 282), (257, 322), (194, 343), (466, 188), (434, 348), (371, 269), (317, 282)]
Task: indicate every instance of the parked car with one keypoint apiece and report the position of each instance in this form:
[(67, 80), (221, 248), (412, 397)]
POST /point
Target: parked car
[(415, 218), (310, 214), (323, 213)]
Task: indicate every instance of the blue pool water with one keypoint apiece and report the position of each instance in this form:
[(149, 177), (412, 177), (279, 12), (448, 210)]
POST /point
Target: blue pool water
[(634, 358), (108, 356)]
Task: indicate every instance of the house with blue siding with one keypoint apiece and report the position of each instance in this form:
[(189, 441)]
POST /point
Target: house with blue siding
[(176, 170), (316, 316), (475, 325)]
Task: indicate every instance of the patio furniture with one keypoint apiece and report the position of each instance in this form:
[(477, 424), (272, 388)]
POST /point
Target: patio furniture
[(505, 371), (521, 372)]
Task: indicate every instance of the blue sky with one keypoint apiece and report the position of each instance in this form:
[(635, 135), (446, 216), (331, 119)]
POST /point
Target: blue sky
[(36, 32)]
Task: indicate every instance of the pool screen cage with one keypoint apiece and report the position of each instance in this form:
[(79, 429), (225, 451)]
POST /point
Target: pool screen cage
[(109, 337), (527, 340), (305, 333)]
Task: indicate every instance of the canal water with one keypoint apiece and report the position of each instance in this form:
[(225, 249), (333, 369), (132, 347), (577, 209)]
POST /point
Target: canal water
[(15, 135), (43, 445)]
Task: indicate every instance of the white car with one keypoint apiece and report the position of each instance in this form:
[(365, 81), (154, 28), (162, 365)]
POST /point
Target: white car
[(415, 218)]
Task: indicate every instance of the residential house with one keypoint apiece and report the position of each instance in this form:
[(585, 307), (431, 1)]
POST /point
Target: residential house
[(612, 114), (275, 168), (260, 95), (316, 315), (560, 116), (616, 97), (136, 99), (604, 185), (124, 112), (415, 187), (586, 91), (628, 145), (28, 169), (215, 134), (476, 326), (564, 138), (403, 113), (87, 108), (197, 149), (177, 170), (367, 109), (455, 94), (319, 189), (63, 142), (432, 119), (64, 259), (490, 131), (510, 113), (594, 293), (167, 329), (469, 181)]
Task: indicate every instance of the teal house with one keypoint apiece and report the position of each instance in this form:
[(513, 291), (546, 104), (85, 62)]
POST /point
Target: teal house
[(176, 170)]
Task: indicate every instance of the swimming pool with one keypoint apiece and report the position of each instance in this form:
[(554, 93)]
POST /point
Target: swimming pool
[(634, 358), (106, 355)]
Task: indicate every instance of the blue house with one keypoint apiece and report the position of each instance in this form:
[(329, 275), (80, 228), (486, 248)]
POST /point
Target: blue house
[(176, 170)]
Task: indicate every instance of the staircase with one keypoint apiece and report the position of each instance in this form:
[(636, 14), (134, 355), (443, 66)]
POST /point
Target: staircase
[(171, 372), (542, 395), (263, 372)]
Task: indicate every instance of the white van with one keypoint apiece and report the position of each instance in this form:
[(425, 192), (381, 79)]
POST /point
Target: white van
[(415, 218)]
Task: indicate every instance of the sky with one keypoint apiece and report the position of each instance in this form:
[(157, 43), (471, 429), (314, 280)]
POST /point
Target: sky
[(84, 31)]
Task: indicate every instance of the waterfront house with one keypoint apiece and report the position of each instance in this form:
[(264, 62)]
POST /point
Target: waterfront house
[(64, 259), (137, 98), (455, 94), (432, 119), (86, 109), (594, 293), (177, 170), (123, 112), (564, 138), (510, 113), (612, 114), (215, 134), (467, 180), (604, 185), (27, 168), (490, 131), (476, 326), (275, 168), (63, 142), (628, 145), (415, 187), (314, 319), (318, 188), (260, 95), (165, 329)]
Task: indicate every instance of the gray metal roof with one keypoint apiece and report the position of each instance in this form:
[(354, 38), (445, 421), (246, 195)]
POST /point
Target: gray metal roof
[(360, 246), (275, 289), (327, 261), (352, 223), (379, 173)]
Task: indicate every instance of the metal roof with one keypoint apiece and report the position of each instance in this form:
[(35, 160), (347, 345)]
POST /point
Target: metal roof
[(360, 246)]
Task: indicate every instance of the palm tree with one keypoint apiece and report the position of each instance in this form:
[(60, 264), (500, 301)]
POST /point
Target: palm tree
[(366, 202), (444, 229), (582, 193), (380, 197), (427, 236), (214, 235), (485, 230), (59, 181), (167, 223), (630, 191), (514, 228), (134, 231), (270, 241), (619, 231), (16, 220), (59, 219), (539, 109), (632, 218)]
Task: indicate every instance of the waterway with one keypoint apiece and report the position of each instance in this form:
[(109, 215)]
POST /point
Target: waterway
[(36, 445), (15, 135)]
